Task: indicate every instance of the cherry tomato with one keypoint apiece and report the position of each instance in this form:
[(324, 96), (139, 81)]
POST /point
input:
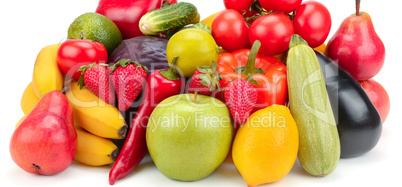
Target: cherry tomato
[(230, 31), (284, 6), (273, 31), (312, 22), (74, 53), (240, 6)]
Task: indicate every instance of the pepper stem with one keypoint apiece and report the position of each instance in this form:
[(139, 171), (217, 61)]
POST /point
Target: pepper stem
[(250, 66), (170, 73), (357, 7)]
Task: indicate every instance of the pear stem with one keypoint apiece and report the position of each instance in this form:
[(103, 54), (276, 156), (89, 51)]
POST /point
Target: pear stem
[(357, 7)]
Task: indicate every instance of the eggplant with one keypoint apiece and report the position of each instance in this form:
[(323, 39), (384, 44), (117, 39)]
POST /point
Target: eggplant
[(358, 121)]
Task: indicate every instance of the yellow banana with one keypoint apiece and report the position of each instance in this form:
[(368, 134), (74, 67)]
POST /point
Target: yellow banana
[(28, 99), (95, 115), (47, 75), (93, 150), (19, 121)]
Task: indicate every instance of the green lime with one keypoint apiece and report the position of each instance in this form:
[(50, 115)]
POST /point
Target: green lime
[(193, 47), (96, 27)]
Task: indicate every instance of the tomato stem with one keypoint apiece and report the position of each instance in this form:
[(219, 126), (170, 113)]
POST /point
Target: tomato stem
[(250, 66), (357, 7)]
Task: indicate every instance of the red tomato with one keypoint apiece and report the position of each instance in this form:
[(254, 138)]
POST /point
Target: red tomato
[(240, 6), (230, 31), (273, 31), (284, 6), (74, 53), (312, 22)]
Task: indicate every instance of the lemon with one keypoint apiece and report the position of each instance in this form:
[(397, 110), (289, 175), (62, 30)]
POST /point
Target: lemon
[(193, 47), (265, 147), (96, 27)]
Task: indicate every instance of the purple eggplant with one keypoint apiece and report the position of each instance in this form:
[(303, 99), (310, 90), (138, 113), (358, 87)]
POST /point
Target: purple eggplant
[(358, 121)]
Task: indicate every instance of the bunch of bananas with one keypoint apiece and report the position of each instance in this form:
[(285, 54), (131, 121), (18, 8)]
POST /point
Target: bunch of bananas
[(96, 122)]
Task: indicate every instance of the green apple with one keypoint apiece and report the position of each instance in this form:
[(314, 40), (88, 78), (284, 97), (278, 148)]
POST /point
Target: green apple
[(189, 136)]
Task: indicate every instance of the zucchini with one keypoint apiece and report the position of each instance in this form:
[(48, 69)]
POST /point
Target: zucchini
[(319, 146), (169, 17)]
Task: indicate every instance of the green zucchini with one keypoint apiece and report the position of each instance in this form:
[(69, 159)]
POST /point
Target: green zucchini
[(169, 17), (319, 146)]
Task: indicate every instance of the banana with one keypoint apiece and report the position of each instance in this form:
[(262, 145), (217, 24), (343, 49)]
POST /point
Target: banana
[(47, 75), (18, 123), (95, 115), (93, 150), (28, 99)]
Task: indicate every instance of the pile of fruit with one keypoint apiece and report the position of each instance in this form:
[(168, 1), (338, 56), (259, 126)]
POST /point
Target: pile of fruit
[(254, 83)]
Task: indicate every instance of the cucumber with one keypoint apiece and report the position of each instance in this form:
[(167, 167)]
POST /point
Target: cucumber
[(200, 26), (169, 17), (319, 145)]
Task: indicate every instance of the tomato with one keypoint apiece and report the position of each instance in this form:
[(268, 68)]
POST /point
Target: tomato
[(273, 31), (230, 31), (312, 22), (284, 6), (74, 53), (240, 6)]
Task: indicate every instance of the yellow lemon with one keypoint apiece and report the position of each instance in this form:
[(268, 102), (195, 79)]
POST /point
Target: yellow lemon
[(265, 147)]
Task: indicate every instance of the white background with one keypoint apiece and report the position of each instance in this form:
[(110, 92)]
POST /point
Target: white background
[(26, 26)]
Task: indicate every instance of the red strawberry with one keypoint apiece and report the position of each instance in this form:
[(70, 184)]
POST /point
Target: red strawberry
[(128, 81), (240, 96), (205, 80), (96, 78)]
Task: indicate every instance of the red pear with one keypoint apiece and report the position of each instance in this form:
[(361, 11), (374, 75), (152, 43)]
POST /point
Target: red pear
[(45, 142), (356, 46)]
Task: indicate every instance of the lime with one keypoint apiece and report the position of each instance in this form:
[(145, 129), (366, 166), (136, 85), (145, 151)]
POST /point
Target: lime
[(96, 27), (193, 47)]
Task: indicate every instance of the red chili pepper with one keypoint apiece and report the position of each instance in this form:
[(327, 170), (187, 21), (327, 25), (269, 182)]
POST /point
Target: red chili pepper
[(126, 14), (268, 73), (161, 84)]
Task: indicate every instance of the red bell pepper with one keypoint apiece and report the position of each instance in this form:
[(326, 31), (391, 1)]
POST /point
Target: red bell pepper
[(126, 14), (170, 1), (268, 73), (161, 84)]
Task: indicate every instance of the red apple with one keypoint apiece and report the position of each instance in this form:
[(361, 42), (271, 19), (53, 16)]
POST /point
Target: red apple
[(378, 96), (45, 142)]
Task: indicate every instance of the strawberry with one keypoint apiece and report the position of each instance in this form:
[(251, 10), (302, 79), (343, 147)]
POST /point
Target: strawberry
[(96, 78), (240, 96), (205, 80), (128, 79)]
